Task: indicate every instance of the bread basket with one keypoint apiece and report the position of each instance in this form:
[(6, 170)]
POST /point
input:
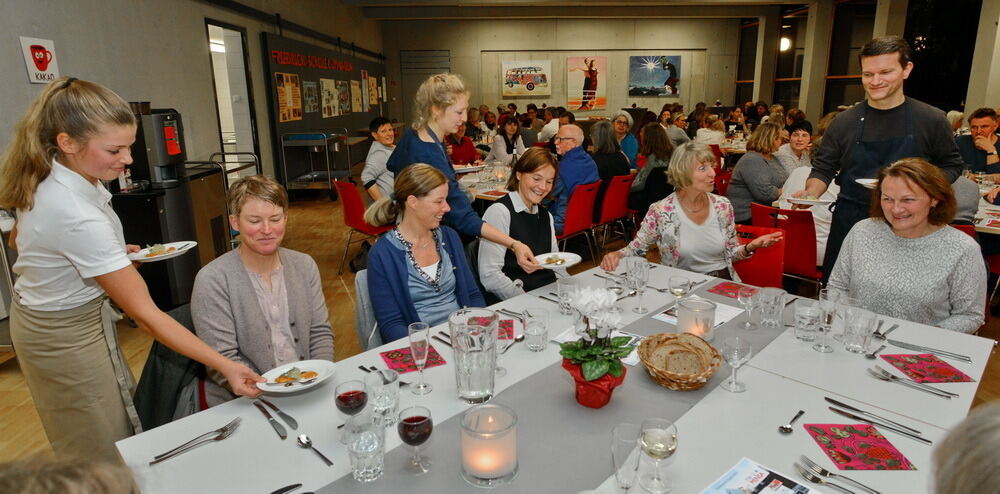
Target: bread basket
[(679, 361)]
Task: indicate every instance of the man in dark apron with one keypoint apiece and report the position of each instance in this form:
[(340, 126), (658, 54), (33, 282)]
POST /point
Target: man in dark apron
[(887, 126)]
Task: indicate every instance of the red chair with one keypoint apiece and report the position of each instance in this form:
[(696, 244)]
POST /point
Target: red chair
[(969, 230), (722, 180), (800, 238), (614, 209), (354, 218), (765, 267), (579, 217), (717, 151)]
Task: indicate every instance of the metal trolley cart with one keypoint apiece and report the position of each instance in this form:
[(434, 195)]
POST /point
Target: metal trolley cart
[(314, 175)]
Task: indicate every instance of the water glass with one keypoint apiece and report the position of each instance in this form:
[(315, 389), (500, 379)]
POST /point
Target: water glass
[(807, 319), (828, 310), (383, 395), (858, 330), (772, 303), (625, 454), (566, 288), (845, 309), (736, 351), (636, 276), (536, 328), (747, 297), (366, 450)]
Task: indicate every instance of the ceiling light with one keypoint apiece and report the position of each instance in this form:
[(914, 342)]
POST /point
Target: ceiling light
[(785, 44)]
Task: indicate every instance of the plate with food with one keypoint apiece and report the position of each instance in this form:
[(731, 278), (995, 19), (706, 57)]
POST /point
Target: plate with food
[(554, 260), (160, 252), (809, 201), (868, 183), (468, 168), (296, 376)]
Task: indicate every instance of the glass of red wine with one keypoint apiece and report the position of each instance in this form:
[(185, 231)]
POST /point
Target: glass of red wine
[(351, 398), (419, 343), (415, 426)]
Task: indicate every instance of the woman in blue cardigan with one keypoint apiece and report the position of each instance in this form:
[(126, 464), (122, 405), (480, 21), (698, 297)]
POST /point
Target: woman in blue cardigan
[(417, 271)]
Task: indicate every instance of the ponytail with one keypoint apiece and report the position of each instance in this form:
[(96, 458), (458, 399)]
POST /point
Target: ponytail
[(417, 180), (382, 212)]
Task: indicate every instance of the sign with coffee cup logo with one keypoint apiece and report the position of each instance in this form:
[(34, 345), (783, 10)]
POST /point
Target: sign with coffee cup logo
[(40, 60)]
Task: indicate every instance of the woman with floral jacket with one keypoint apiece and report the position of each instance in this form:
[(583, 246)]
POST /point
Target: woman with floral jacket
[(693, 213)]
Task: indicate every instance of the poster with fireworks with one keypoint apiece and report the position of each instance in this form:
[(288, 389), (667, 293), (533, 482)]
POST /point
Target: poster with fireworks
[(652, 75), (586, 83), (526, 78)]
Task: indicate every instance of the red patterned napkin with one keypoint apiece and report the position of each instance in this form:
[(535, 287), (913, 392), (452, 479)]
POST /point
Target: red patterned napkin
[(401, 360), (497, 193), (505, 330), (857, 447), (926, 368), (728, 289)]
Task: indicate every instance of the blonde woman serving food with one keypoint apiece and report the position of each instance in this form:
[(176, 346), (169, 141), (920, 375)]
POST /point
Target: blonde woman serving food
[(71, 258)]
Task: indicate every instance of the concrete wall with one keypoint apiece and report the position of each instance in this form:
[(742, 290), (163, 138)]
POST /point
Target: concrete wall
[(708, 71), (157, 51)]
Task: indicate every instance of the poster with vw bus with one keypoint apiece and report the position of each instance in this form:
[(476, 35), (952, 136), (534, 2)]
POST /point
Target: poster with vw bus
[(526, 78)]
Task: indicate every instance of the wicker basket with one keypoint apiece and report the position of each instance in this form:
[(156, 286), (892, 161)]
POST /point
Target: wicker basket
[(655, 349)]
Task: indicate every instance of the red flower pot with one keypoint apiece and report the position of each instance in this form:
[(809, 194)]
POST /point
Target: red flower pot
[(596, 393)]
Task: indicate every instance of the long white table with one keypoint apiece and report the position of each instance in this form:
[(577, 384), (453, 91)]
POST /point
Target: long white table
[(716, 427)]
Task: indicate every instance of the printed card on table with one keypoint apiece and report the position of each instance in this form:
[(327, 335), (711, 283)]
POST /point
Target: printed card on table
[(926, 368), (401, 360), (857, 447), (728, 289), (750, 476)]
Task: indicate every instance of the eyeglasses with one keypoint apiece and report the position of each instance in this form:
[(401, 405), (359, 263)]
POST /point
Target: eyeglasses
[(623, 122)]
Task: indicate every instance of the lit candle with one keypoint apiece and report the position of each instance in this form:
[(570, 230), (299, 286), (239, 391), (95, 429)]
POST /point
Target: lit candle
[(489, 444), (697, 316)]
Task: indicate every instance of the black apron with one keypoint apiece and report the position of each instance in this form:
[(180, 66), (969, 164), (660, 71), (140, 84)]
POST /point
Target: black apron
[(535, 231), (854, 201)]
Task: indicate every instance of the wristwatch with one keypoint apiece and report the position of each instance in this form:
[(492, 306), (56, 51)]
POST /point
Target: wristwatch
[(994, 153)]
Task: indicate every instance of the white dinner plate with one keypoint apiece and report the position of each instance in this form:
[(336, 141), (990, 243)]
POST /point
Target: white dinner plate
[(179, 248), (809, 202), (324, 368), (467, 169), (571, 259), (868, 183)]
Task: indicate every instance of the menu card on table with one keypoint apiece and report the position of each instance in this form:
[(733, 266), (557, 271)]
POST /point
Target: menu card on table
[(750, 476), (857, 447), (926, 368), (723, 313), (401, 360)]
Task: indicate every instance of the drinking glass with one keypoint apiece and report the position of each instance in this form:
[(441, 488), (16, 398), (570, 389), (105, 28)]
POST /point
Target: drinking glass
[(772, 302), (736, 351), (828, 310), (747, 297), (566, 288), (366, 448), (658, 439), (845, 308), (636, 278), (536, 328), (612, 284), (858, 330), (679, 286), (383, 393), (415, 427), (807, 319), (351, 398), (624, 454), (419, 335)]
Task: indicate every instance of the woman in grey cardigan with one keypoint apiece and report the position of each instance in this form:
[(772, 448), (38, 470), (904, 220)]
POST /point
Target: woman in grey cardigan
[(758, 176), (260, 305)]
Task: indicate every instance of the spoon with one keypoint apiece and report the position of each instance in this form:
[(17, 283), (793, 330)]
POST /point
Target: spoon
[(305, 442), (517, 339), (627, 295), (787, 428), (873, 354)]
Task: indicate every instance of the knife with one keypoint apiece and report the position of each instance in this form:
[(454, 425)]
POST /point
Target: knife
[(287, 488), (284, 416), (880, 424), (935, 351), (543, 297), (274, 423), (862, 412), (442, 340)]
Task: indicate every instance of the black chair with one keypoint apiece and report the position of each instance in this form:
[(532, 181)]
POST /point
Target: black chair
[(472, 256)]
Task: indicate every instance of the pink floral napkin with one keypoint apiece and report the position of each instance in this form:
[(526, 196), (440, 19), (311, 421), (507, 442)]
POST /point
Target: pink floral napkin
[(926, 368), (505, 329), (401, 360), (857, 447), (728, 289)]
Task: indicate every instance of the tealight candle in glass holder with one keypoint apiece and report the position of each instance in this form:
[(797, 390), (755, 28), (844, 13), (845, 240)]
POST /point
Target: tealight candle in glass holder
[(489, 445)]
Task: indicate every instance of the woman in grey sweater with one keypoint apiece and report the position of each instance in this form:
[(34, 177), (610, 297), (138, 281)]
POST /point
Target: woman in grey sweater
[(758, 176), (905, 261)]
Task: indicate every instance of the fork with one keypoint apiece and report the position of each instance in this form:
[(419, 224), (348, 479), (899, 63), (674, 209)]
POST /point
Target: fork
[(811, 477), (233, 424), (892, 376), (826, 473), (195, 443), (885, 376)]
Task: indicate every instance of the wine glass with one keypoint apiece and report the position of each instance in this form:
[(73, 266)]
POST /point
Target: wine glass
[(636, 278), (747, 298), (828, 307), (658, 439), (351, 398), (415, 426), (624, 438), (419, 334), (679, 286), (736, 351)]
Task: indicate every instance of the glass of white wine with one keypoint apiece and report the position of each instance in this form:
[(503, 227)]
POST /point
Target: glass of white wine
[(658, 440), (679, 286)]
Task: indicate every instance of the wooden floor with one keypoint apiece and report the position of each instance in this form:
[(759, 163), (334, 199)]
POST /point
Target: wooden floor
[(315, 227)]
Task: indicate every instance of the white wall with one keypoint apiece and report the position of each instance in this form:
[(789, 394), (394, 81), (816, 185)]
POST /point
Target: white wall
[(708, 45), (157, 51)]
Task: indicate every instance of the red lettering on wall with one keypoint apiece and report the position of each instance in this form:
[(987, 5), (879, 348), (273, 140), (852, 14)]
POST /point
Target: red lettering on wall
[(313, 61)]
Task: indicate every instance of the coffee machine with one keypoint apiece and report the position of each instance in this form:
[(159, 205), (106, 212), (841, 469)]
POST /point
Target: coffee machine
[(160, 212)]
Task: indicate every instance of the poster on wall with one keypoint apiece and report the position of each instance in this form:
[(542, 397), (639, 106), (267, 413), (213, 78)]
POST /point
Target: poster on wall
[(586, 83), (344, 97), (365, 97), (289, 96), (373, 92), (526, 78), (651, 75), (385, 90), (356, 96), (310, 97), (331, 103), (40, 60)]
